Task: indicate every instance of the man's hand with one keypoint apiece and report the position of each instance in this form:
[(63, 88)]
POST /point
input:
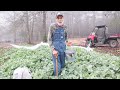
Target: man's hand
[(55, 53), (69, 43)]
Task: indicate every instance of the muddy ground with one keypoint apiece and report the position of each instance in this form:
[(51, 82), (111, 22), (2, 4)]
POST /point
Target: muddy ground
[(102, 49)]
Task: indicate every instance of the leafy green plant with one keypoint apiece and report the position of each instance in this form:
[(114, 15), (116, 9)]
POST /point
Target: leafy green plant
[(88, 65)]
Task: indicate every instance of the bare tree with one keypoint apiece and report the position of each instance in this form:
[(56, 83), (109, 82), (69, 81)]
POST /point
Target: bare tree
[(32, 26), (27, 25), (14, 27), (44, 26)]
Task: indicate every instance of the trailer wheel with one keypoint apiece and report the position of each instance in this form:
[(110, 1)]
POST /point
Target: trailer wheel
[(113, 43)]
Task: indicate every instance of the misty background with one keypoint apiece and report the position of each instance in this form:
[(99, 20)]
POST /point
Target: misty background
[(32, 26)]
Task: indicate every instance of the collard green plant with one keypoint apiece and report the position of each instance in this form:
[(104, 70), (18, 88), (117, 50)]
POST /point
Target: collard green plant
[(88, 65)]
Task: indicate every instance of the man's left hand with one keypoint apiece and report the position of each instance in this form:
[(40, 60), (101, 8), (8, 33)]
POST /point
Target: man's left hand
[(69, 43)]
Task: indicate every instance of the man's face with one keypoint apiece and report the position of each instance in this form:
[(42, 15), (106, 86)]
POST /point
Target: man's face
[(59, 19)]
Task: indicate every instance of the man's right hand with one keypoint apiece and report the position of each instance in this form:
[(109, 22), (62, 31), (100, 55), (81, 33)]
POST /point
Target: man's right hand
[(55, 53)]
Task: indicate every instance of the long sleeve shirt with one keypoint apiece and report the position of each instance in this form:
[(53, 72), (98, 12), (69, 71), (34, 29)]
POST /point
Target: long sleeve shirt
[(52, 28)]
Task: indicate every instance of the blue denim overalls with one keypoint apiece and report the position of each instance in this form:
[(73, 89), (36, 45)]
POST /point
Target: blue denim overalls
[(59, 45)]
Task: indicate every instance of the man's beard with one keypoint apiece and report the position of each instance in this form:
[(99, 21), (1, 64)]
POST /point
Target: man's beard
[(60, 24)]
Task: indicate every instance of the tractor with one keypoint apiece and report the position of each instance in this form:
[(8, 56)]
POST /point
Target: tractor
[(99, 36)]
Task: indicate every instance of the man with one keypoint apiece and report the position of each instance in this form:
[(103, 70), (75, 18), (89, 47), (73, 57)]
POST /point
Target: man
[(57, 38)]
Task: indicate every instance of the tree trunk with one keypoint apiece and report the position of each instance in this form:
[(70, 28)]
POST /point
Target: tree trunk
[(94, 18), (27, 26), (44, 27), (32, 28), (14, 29)]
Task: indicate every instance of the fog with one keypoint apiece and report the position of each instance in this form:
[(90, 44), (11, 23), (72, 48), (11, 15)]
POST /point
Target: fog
[(33, 26)]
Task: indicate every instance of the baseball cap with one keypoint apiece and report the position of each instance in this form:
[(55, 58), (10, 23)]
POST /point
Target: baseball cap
[(59, 15)]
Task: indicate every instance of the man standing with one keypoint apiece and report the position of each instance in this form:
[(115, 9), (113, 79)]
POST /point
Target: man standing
[(57, 38)]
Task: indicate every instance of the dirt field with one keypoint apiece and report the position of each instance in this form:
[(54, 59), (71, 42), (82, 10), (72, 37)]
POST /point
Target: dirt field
[(102, 49), (78, 41)]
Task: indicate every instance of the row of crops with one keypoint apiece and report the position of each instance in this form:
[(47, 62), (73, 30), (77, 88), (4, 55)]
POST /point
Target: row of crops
[(88, 65)]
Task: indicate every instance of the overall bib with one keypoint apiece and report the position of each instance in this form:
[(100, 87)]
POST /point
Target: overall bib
[(59, 45)]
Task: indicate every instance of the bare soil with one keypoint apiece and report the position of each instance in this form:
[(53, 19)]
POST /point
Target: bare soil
[(101, 49)]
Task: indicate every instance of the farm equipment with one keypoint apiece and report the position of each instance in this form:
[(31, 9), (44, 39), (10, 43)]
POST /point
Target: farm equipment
[(99, 36)]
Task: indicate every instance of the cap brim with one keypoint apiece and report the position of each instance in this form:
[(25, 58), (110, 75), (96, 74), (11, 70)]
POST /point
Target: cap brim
[(59, 16)]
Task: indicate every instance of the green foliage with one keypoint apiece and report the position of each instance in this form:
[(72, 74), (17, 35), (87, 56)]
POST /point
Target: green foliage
[(88, 65)]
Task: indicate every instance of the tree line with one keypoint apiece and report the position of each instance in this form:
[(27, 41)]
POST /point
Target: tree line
[(33, 26)]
